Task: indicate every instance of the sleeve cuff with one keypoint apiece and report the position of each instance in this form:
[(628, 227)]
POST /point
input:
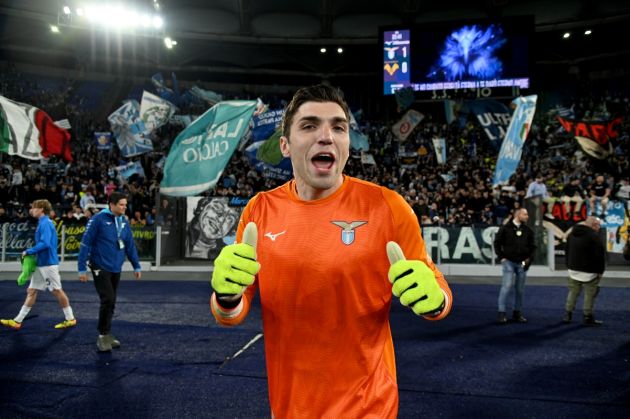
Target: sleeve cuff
[(225, 313), (443, 311)]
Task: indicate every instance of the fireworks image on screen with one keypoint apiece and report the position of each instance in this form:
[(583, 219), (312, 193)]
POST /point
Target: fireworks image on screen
[(469, 53)]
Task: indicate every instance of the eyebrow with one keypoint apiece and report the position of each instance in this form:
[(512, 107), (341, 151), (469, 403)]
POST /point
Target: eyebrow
[(313, 118)]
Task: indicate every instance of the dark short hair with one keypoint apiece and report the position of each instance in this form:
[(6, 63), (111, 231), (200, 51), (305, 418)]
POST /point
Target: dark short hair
[(317, 93), (114, 197)]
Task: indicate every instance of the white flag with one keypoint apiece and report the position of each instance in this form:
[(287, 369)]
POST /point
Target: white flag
[(407, 123)]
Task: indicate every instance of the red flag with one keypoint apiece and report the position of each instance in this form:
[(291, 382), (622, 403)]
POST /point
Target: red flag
[(53, 139)]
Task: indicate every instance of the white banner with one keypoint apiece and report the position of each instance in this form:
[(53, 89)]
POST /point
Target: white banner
[(407, 123)]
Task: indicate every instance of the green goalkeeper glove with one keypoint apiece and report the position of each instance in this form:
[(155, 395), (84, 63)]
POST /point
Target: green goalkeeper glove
[(414, 283), (236, 267), (29, 263)]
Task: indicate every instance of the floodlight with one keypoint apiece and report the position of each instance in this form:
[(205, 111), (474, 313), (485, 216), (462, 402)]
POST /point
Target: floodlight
[(157, 22)]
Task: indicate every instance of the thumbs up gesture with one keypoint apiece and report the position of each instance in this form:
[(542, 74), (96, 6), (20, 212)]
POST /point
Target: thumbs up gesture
[(236, 267), (414, 283)]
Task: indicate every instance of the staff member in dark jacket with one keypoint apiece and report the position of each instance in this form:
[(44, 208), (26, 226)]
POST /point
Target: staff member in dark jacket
[(586, 260), (106, 241), (514, 245)]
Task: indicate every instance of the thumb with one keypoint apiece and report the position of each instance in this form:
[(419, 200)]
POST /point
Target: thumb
[(394, 252), (250, 235)]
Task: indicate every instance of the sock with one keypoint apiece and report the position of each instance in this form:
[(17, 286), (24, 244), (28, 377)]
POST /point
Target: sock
[(67, 311), (23, 313)]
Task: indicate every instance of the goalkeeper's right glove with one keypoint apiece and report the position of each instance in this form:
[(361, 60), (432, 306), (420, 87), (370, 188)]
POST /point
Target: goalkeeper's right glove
[(236, 267), (29, 264)]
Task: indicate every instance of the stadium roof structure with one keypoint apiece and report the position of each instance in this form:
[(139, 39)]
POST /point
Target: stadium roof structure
[(279, 41)]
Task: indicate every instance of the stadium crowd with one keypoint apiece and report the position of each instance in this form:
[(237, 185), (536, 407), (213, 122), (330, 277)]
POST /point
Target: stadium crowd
[(459, 192)]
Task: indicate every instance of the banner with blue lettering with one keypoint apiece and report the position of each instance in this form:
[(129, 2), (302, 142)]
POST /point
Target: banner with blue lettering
[(201, 151), (494, 118), (103, 140), (266, 124), (512, 146)]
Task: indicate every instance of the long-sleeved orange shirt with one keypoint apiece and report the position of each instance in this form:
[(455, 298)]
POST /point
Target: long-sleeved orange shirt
[(326, 297)]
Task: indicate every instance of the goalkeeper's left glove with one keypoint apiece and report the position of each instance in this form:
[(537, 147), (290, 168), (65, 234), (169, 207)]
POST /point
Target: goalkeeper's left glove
[(29, 263), (414, 283)]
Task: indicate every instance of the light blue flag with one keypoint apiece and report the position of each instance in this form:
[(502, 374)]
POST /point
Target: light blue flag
[(359, 141), (207, 95), (202, 150), (132, 136), (512, 146), (130, 169)]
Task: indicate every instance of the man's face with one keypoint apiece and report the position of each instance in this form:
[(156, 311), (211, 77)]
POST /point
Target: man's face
[(522, 216), (318, 146), (597, 225), (217, 219), (36, 212), (119, 207)]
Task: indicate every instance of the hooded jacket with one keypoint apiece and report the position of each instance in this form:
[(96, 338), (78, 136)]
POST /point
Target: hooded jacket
[(100, 243), (586, 252)]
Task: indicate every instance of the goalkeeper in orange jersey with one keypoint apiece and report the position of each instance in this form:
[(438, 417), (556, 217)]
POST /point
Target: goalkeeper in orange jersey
[(327, 251)]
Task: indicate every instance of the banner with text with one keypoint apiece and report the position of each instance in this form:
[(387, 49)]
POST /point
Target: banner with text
[(200, 152)]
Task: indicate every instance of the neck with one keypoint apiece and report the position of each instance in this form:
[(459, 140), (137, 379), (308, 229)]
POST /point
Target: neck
[(308, 193)]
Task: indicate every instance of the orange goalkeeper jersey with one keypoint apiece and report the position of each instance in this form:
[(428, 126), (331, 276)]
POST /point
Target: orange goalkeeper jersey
[(325, 297)]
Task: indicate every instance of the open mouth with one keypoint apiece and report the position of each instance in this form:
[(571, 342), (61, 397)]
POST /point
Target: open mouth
[(323, 161)]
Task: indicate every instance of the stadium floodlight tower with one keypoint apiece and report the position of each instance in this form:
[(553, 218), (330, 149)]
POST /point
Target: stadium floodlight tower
[(140, 17)]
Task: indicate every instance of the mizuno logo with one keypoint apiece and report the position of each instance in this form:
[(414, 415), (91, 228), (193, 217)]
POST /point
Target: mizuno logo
[(347, 230), (274, 236), (108, 223)]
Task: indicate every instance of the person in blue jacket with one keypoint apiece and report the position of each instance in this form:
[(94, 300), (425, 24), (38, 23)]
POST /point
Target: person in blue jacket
[(46, 276), (106, 242)]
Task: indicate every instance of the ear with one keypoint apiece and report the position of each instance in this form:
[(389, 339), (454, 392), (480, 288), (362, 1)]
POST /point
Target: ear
[(285, 147)]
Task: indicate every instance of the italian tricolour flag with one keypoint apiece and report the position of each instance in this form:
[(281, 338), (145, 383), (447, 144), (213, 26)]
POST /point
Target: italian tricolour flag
[(29, 132)]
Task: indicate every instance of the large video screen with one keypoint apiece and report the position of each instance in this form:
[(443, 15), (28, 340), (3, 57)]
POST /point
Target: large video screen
[(458, 55)]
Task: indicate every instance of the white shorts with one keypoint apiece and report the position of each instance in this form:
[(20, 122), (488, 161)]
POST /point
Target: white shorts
[(46, 277)]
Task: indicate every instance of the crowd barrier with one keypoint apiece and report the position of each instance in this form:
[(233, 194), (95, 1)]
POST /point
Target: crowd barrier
[(455, 245)]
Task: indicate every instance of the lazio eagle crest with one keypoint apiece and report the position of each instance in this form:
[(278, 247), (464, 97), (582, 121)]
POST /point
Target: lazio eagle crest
[(347, 230)]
